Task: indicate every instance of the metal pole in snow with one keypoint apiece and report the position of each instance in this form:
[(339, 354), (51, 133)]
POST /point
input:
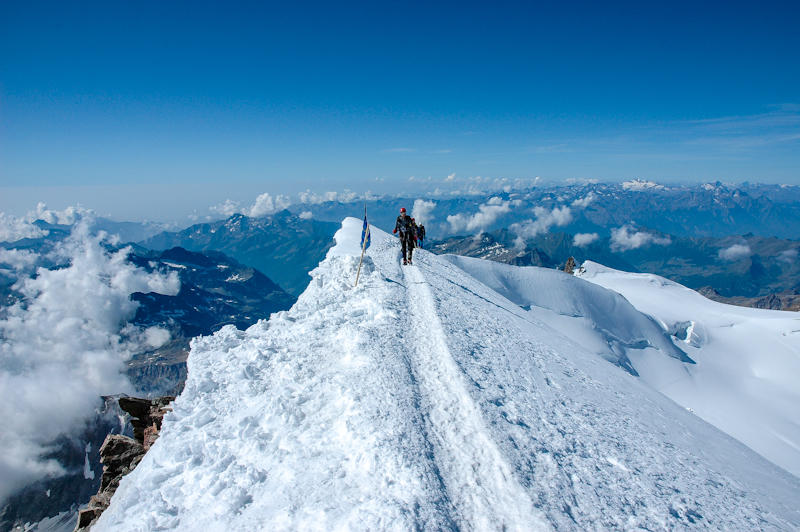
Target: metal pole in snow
[(363, 247)]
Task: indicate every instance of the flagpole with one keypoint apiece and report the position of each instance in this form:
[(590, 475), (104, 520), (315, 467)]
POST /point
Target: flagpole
[(363, 246)]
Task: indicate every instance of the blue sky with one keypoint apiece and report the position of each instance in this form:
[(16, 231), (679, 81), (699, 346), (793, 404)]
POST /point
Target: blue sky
[(327, 96)]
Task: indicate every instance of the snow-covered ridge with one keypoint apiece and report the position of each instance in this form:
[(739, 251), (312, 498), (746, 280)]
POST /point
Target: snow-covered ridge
[(426, 398)]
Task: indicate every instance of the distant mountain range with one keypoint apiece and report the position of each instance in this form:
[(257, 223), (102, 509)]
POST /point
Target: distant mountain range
[(711, 209), (215, 291), (284, 247), (761, 267)]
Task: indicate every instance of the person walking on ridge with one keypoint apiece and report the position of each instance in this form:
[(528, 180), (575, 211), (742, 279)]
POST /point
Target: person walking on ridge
[(420, 235), (404, 230)]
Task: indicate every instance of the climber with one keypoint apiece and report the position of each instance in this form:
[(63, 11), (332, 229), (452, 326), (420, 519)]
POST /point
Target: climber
[(404, 230)]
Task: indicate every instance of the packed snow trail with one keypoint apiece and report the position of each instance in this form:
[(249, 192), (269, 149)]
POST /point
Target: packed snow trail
[(479, 483), (425, 400)]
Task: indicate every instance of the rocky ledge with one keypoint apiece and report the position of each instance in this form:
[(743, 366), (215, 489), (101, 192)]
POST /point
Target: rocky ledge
[(121, 454)]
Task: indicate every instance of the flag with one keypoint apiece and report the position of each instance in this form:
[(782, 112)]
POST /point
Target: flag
[(365, 232)]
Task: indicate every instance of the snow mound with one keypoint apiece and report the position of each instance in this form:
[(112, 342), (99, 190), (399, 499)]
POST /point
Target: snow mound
[(620, 326), (746, 378), (425, 399)]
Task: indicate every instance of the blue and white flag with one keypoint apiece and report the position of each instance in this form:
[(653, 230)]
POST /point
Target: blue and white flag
[(365, 232)]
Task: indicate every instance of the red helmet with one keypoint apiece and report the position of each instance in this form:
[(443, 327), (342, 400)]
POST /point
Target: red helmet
[(402, 209)]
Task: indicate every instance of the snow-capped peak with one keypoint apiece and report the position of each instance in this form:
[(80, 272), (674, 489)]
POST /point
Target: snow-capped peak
[(428, 398)]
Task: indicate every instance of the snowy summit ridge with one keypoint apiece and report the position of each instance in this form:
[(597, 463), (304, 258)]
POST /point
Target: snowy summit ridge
[(428, 397)]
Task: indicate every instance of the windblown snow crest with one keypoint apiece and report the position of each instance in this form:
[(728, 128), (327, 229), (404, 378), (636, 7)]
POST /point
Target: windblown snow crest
[(424, 399)]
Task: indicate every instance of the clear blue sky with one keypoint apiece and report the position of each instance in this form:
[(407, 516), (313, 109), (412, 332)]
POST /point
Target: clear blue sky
[(330, 95)]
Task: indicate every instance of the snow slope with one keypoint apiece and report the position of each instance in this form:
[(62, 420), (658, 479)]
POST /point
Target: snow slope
[(747, 377), (424, 399)]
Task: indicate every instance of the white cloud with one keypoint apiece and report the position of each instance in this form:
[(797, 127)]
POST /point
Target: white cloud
[(788, 255), (227, 208), (625, 238), (155, 337), (266, 205), (450, 177), (65, 344), (735, 252), (13, 229), (312, 198), (68, 216), (487, 214), (582, 203), (584, 239), (422, 211), (545, 219), (18, 259), (496, 200), (305, 215)]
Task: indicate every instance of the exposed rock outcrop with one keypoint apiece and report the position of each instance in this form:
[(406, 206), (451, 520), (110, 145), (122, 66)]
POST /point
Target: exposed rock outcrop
[(120, 454), (569, 267), (781, 301)]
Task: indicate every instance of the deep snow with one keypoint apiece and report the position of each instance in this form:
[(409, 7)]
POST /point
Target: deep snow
[(426, 399), (747, 377)]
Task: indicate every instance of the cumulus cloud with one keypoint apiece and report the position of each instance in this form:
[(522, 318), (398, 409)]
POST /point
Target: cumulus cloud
[(735, 252), (13, 228), (264, 205), (69, 216), (545, 219), (422, 211), (227, 208), (487, 214), (450, 177), (155, 337), (582, 203), (788, 255), (65, 343), (625, 238), (18, 259), (305, 215), (584, 239), (312, 198)]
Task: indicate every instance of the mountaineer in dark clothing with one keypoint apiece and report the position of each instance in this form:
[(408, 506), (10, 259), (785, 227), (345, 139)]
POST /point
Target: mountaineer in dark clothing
[(407, 234), (420, 235), (415, 231)]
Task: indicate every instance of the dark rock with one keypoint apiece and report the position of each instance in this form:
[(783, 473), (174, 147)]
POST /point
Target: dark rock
[(146, 415), (121, 454), (569, 267)]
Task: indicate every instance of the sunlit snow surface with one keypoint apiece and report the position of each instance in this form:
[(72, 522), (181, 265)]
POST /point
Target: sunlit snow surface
[(747, 377), (424, 399)]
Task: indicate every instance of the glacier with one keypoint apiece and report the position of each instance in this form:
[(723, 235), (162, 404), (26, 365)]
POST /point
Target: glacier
[(747, 380), (452, 394)]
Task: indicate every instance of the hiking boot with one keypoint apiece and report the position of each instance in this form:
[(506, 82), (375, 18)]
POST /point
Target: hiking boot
[(405, 262)]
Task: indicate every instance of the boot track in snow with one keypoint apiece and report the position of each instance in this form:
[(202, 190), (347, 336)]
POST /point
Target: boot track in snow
[(479, 482)]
